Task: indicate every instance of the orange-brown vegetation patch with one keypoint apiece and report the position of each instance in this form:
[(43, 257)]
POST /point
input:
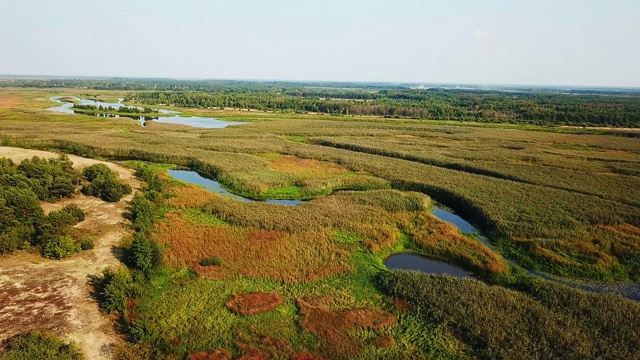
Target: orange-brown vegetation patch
[(10, 102), (306, 356), (443, 240), (262, 347), (401, 305), (384, 341), (278, 255), (189, 196), (295, 165), (213, 355), (336, 327), (256, 303)]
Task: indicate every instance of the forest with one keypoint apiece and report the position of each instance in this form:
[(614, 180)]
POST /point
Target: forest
[(610, 107), (530, 108)]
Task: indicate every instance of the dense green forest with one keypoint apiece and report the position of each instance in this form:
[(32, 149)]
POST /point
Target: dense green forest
[(619, 107), (540, 109)]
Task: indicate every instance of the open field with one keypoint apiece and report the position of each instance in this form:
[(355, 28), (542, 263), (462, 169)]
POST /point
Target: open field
[(553, 199)]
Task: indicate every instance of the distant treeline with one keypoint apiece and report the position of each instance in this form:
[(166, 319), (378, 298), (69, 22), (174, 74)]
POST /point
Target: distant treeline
[(532, 108), (618, 107)]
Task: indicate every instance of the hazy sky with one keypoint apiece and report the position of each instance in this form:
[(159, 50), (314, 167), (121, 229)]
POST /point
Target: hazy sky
[(564, 42)]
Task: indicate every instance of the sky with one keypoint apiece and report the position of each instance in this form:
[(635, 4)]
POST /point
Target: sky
[(536, 42)]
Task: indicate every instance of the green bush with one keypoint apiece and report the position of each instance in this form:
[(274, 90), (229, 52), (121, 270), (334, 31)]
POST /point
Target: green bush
[(107, 187), (59, 247), (113, 289), (144, 254), (86, 244), (37, 345), (65, 217), (211, 261), (143, 214), (94, 171)]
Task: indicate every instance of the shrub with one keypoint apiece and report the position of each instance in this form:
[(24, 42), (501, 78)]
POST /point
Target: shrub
[(86, 244), (95, 171), (142, 214), (59, 247), (107, 188), (68, 216), (37, 345), (211, 261), (144, 254), (113, 289)]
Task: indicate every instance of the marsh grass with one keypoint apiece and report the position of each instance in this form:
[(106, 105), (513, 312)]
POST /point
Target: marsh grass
[(552, 322)]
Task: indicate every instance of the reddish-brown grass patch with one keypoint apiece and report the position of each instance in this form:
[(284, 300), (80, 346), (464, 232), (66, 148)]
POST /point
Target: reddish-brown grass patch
[(336, 327), (190, 196), (10, 101), (262, 347), (214, 355), (384, 341), (306, 356), (256, 303), (277, 255)]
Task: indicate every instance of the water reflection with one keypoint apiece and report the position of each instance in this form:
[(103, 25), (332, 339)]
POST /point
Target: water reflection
[(173, 118)]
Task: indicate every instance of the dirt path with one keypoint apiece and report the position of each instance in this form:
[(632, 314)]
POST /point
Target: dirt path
[(40, 294)]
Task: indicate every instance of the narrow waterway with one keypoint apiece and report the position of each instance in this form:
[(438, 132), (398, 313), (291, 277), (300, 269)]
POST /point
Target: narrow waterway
[(193, 177)]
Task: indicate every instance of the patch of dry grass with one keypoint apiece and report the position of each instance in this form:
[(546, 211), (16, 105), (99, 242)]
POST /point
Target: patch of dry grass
[(308, 167), (335, 327), (277, 255), (254, 303)]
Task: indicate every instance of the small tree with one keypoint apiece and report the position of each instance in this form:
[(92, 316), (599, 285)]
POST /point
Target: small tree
[(59, 247)]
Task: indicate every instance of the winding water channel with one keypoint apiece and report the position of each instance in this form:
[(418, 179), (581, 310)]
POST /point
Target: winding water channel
[(172, 117), (193, 177)]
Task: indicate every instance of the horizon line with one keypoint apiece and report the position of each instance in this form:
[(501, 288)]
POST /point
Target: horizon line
[(106, 77)]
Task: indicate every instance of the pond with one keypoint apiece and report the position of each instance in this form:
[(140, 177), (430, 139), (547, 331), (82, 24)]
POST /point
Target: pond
[(193, 177), (406, 261), (172, 118)]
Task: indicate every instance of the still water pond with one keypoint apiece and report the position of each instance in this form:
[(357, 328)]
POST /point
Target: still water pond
[(172, 118), (193, 177), (420, 263)]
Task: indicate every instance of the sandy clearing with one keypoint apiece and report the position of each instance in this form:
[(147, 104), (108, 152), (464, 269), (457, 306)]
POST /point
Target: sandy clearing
[(41, 294)]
